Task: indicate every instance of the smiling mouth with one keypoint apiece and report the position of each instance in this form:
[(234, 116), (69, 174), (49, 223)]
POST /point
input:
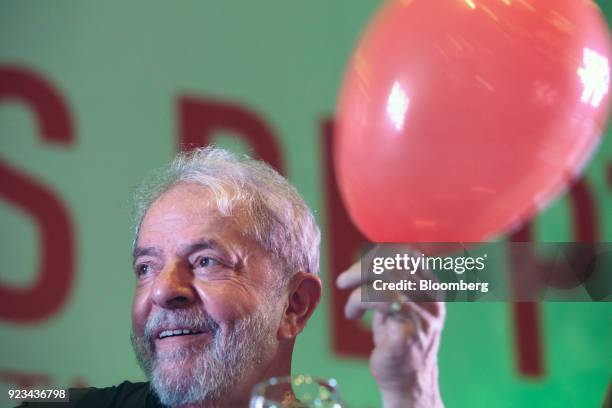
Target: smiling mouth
[(178, 332)]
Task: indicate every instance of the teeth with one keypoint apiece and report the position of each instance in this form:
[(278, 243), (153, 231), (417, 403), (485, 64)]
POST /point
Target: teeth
[(168, 333)]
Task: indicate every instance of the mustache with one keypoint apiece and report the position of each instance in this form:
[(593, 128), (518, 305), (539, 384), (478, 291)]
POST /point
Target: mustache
[(192, 318)]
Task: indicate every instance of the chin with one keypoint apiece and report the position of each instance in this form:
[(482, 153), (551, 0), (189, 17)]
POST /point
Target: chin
[(191, 378)]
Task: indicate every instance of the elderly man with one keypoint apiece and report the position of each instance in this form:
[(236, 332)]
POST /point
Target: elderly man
[(226, 256)]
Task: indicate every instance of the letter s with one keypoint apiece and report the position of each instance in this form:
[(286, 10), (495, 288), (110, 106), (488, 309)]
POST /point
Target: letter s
[(51, 288)]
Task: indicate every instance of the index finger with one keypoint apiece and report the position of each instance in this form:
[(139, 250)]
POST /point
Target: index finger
[(351, 277)]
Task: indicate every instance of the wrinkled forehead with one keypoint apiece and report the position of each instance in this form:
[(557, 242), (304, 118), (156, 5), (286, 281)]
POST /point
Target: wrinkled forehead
[(187, 206)]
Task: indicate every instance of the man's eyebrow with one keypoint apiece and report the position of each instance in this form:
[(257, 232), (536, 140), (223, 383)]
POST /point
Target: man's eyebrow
[(187, 249), (139, 251)]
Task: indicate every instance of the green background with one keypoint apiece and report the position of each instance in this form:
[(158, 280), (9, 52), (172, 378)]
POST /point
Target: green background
[(121, 67)]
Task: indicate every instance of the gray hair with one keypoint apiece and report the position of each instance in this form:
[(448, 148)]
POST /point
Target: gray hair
[(280, 220)]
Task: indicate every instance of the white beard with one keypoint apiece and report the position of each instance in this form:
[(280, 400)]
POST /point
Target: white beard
[(212, 372)]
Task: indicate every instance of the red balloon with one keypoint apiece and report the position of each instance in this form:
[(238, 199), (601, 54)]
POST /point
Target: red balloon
[(458, 119)]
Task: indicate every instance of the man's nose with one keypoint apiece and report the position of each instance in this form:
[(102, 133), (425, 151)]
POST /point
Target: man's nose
[(173, 287)]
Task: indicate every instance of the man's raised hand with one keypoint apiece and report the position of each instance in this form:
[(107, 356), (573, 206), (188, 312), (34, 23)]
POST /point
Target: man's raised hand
[(406, 341)]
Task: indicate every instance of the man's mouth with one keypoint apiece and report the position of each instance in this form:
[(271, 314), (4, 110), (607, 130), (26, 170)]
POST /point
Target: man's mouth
[(177, 332)]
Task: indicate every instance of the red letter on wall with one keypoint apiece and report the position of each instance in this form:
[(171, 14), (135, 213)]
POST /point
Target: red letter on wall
[(49, 291), (348, 336), (199, 118), (527, 328)]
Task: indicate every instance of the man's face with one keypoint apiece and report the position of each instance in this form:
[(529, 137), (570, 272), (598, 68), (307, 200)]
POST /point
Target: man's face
[(203, 314)]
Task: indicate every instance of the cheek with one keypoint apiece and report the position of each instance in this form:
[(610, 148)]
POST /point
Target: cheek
[(140, 312), (227, 302)]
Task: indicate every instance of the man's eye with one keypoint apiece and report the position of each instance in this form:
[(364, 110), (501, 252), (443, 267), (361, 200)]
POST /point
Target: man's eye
[(205, 262), (142, 270)]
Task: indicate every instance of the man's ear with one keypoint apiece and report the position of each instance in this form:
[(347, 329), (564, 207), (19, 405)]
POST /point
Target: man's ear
[(302, 298)]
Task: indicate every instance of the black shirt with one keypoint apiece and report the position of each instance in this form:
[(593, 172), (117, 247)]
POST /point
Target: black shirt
[(126, 394)]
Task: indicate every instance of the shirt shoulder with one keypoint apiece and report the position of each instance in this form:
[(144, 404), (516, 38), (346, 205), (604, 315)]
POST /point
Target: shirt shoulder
[(126, 394)]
